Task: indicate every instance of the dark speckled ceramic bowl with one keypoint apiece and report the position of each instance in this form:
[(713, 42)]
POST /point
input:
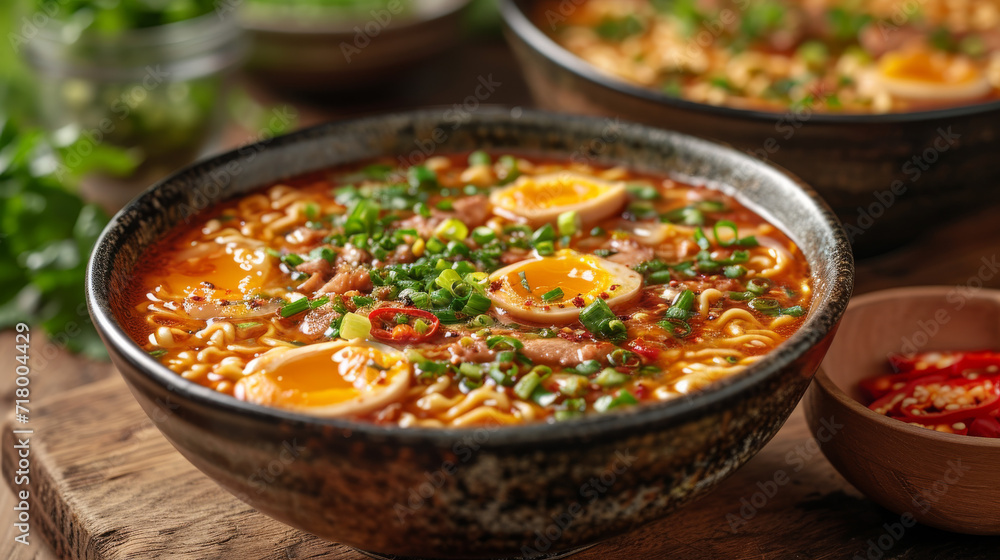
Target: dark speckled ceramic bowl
[(886, 176), (489, 491)]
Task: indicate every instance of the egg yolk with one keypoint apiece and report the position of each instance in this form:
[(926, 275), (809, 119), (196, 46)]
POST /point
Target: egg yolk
[(230, 272), (932, 68), (574, 274), (561, 190), (322, 379)]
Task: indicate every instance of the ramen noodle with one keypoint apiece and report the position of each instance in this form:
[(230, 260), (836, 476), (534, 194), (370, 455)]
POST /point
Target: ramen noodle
[(818, 55), (467, 290)]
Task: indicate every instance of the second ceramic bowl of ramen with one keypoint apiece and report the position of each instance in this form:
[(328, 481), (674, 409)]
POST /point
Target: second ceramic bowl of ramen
[(387, 484), (887, 176)]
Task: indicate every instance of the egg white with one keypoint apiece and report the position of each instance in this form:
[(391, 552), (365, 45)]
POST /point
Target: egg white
[(608, 202), (974, 85), (564, 311), (259, 386)]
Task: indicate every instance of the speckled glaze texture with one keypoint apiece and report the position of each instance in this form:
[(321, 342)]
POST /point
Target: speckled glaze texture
[(941, 162), (489, 491)]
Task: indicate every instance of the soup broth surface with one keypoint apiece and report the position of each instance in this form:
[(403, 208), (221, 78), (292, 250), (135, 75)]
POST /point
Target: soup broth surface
[(472, 289)]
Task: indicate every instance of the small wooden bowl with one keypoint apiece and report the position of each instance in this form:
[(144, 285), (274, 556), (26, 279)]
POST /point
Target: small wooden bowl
[(947, 481)]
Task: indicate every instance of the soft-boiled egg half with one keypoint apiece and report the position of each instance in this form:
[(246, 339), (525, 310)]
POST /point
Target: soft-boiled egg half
[(540, 199), (218, 279), (931, 75), (340, 378), (518, 288), (221, 271)]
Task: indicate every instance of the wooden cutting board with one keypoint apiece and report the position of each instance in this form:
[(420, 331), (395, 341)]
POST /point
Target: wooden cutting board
[(107, 486)]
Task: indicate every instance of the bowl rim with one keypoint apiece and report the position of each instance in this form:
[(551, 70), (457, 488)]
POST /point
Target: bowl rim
[(826, 384), (828, 307), (521, 25), (331, 26)]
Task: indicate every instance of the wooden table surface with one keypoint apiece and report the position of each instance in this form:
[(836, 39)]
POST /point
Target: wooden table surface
[(817, 516)]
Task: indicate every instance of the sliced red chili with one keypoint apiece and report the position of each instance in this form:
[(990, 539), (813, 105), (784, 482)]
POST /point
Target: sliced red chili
[(645, 348), (398, 324), (918, 400)]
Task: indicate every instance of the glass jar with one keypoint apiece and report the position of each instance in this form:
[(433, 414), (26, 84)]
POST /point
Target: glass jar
[(157, 91)]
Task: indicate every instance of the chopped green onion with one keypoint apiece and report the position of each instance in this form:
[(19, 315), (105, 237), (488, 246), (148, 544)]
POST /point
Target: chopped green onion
[(362, 301), (542, 397), (659, 277), (545, 248), (622, 357), (544, 233), (574, 386), (420, 326), (292, 260), (684, 300), (480, 157), (421, 177), (527, 385), (377, 171), (483, 235), (505, 357), (734, 271), (701, 240), (524, 281), (608, 402), (355, 326), (295, 307), (480, 321), (553, 295), (451, 229), (677, 327), (311, 210), (600, 320), (794, 311), (448, 279), (597, 231), (642, 192), (766, 306), (471, 370), (445, 204), (610, 377), (319, 302), (324, 253), (158, 353), (725, 224), (503, 342), (248, 325), (568, 222), (759, 286), (588, 367), (477, 304), (508, 169)]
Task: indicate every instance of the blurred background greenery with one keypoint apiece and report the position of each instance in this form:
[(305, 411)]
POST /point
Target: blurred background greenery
[(101, 98)]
